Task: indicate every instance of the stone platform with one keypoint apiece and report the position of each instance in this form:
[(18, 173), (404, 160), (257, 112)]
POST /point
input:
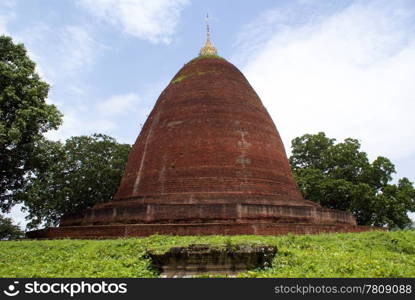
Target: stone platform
[(229, 260), (133, 212), (142, 230), (132, 219)]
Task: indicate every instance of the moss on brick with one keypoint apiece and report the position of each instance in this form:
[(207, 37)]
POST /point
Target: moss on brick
[(184, 76)]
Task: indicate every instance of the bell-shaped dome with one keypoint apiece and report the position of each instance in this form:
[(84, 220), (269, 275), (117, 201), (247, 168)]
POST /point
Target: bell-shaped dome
[(208, 160), (209, 138)]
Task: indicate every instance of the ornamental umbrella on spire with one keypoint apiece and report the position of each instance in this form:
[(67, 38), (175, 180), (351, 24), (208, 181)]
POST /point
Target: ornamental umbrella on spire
[(208, 48)]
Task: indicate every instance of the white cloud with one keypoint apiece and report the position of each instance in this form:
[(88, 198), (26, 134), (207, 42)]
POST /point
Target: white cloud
[(119, 104), (99, 118), (63, 57), (78, 48), (60, 52), (154, 20), (74, 125), (350, 74)]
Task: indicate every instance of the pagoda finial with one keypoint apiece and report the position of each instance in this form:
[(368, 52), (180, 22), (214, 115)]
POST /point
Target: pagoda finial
[(207, 28), (208, 48)]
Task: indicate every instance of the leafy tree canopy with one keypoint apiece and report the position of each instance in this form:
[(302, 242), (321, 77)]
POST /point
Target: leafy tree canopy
[(73, 176), (8, 230), (24, 117), (340, 176)]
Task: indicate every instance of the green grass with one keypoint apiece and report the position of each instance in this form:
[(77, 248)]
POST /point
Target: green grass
[(369, 254)]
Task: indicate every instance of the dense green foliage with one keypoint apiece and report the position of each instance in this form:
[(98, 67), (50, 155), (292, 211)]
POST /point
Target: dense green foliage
[(340, 176), (8, 230), (368, 254), (24, 117), (73, 176)]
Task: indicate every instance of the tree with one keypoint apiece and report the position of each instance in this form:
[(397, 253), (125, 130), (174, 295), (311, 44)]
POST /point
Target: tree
[(8, 230), (72, 177), (340, 176), (24, 117)]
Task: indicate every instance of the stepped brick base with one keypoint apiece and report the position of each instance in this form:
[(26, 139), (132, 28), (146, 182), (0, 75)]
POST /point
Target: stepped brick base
[(124, 212), (142, 230)]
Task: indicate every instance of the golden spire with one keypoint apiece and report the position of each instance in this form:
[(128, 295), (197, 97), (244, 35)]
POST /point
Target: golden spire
[(208, 48)]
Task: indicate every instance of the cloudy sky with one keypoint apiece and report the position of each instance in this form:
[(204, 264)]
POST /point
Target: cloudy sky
[(339, 66)]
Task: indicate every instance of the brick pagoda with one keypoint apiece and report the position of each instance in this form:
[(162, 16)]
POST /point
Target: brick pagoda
[(208, 160)]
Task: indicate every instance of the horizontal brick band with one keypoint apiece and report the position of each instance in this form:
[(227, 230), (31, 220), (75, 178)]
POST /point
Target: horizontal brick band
[(139, 213), (142, 230)]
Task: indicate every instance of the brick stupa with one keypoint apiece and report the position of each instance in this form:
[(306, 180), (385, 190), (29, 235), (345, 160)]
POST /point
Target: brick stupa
[(209, 160)]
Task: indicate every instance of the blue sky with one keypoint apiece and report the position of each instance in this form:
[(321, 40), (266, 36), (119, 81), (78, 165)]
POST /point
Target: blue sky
[(343, 67)]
